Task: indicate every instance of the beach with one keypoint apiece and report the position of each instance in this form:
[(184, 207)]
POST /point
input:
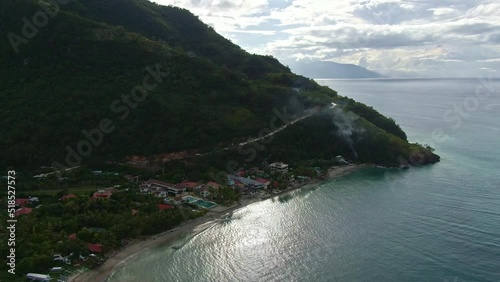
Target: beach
[(101, 273)]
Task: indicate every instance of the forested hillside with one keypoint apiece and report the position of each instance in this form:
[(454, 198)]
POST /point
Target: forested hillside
[(80, 67)]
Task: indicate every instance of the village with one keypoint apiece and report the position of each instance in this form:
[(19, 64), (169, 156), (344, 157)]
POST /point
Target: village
[(251, 183), (190, 198)]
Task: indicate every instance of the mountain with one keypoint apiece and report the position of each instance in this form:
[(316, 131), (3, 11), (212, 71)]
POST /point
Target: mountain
[(323, 69), (101, 80)]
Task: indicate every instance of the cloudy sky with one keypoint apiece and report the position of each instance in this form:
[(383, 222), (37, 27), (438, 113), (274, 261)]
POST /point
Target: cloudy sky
[(445, 38)]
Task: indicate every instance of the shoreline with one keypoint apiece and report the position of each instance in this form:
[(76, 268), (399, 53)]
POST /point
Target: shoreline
[(104, 271)]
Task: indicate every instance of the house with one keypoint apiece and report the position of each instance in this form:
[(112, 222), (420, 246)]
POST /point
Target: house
[(246, 181), (205, 191), (102, 195), (188, 186), (23, 211), (66, 197), (22, 202), (279, 167), (144, 188), (134, 212), (155, 185), (264, 182), (163, 207), (95, 248), (177, 190), (72, 237), (60, 258), (161, 193)]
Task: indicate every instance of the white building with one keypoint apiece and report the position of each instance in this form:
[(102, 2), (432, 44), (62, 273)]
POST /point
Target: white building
[(279, 167)]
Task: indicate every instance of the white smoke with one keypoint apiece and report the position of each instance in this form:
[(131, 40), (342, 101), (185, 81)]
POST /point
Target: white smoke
[(346, 126)]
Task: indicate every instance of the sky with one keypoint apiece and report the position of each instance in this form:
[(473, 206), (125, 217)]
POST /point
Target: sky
[(425, 38)]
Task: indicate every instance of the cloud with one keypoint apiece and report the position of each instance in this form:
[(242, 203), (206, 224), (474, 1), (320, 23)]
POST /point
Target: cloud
[(421, 37), (388, 13)]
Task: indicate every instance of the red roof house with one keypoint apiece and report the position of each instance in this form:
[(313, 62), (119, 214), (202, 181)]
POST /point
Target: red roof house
[(102, 195), (264, 182), (69, 196), (158, 183), (72, 237), (22, 202), (134, 212), (23, 211), (95, 248), (188, 185), (165, 207)]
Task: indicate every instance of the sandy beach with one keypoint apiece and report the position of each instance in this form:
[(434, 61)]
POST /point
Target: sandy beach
[(102, 273), (339, 171)]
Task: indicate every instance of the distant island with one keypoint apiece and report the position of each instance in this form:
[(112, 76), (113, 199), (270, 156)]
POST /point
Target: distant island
[(326, 69)]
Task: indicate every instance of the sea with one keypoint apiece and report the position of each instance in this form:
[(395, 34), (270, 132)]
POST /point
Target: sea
[(431, 223)]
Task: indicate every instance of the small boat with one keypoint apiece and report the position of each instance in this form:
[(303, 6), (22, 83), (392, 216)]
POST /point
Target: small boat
[(405, 167)]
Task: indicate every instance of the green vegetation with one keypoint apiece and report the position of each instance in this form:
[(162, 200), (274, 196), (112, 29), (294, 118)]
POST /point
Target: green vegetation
[(67, 77), (46, 230)]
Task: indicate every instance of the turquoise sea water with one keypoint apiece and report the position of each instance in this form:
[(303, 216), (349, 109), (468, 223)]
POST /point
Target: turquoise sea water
[(435, 223)]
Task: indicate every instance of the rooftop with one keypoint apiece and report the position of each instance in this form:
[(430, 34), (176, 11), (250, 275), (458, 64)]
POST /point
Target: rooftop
[(165, 207), (262, 180), (278, 165), (95, 248), (102, 195), (21, 202), (160, 183), (23, 211), (69, 196), (187, 185)]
